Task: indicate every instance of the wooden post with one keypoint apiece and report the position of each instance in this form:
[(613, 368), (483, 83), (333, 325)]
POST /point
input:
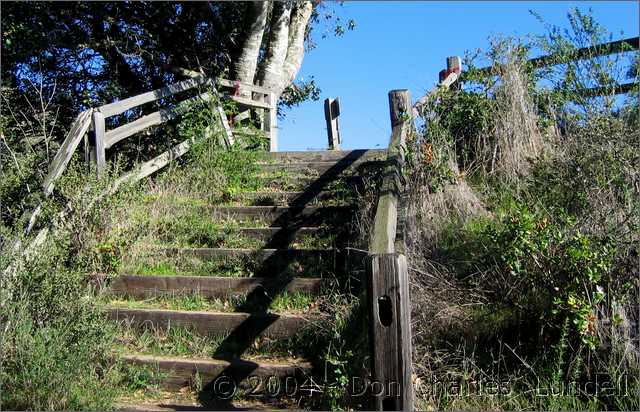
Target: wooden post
[(271, 122), (388, 278), (399, 106), (331, 113), (97, 121), (390, 332), (454, 64)]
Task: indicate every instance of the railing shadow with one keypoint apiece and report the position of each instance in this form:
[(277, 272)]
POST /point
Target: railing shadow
[(259, 300)]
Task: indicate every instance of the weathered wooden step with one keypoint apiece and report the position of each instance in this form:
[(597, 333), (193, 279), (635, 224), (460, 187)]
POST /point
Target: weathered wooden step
[(243, 325), (266, 233), (149, 286), (259, 255), (181, 372), (304, 182), (282, 215), (328, 168), (282, 197), (327, 155)]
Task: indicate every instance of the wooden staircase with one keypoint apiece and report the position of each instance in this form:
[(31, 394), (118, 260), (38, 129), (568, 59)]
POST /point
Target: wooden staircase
[(312, 199)]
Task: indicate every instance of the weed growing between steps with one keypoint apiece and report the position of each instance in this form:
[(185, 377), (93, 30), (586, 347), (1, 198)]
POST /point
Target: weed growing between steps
[(286, 302), (525, 264)]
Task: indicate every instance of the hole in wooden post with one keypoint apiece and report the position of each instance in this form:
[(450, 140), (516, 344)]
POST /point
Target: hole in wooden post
[(385, 312)]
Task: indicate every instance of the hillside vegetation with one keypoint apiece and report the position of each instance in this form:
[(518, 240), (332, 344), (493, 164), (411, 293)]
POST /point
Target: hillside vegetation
[(525, 277)]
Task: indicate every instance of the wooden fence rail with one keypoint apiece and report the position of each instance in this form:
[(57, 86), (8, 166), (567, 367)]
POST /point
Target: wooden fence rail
[(97, 142), (584, 53)]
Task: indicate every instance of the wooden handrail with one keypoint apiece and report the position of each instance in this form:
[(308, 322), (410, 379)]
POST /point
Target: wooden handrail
[(78, 129), (123, 105), (102, 139), (584, 53), (388, 276)]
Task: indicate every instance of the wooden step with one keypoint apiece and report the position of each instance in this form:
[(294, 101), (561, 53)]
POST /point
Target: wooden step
[(213, 287), (181, 372), (267, 233), (303, 182), (280, 197), (281, 216), (243, 325), (327, 155), (332, 168), (259, 255)]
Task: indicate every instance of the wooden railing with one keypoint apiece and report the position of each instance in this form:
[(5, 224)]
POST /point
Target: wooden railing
[(97, 142), (387, 275), (584, 53), (388, 294)]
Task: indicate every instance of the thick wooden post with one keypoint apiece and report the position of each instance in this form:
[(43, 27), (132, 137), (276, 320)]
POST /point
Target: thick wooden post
[(271, 122), (390, 332), (388, 278), (97, 121), (454, 65), (331, 113)]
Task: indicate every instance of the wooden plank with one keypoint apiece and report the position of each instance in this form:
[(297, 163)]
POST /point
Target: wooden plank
[(152, 166), (99, 136), (390, 332), (229, 140), (249, 102), (385, 221), (213, 323), (245, 86), (444, 84), (259, 255), (122, 106), (582, 53), (613, 90), (280, 215), (331, 113), (181, 372), (206, 286), (271, 122), (333, 167), (114, 136), (328, 155), (78, 129)]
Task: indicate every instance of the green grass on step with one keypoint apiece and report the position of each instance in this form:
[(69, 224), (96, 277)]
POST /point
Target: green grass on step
[(158, 264), (181, 341), (286, 302)]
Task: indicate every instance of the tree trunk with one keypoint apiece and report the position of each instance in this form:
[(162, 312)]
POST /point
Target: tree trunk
[(297, 30), (245, 67), (271, 75)]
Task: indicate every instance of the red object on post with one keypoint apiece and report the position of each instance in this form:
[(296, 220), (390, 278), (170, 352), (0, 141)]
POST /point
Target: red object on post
[(236, 88)]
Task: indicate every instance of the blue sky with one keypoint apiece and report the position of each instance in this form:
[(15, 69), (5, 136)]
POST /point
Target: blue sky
[(403, 45)]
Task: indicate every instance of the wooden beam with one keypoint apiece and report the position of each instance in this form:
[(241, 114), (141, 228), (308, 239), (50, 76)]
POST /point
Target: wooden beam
[(246, 86), (271, 122), (603, 49), (78, 129), (331, 113), (121, 106), (97, 120), (152, 166), (114, 136), (249, 102), (390, 332)]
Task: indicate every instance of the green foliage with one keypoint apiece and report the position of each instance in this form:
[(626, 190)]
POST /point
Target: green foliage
[(55, 342)]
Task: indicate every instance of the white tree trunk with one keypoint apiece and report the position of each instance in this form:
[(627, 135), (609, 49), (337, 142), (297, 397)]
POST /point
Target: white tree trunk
[(245, 67), (271, 75), (297, 30)]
